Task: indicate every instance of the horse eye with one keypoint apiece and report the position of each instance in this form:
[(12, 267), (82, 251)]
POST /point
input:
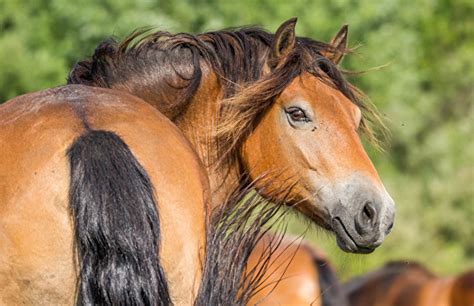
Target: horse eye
[(297, 115)]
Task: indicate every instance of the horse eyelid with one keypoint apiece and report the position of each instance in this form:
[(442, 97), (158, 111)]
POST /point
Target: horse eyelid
[(289, 111)]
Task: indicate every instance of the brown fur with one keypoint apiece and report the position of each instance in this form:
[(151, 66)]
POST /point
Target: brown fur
[(409, 284), (462, 293), (36, 242), (298, 274), (290, 278)]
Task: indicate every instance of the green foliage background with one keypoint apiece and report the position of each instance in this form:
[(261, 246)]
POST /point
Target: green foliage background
[(425, 93)]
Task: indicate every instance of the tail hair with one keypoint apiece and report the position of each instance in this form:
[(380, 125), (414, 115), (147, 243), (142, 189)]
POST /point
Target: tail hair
[(116, 225)]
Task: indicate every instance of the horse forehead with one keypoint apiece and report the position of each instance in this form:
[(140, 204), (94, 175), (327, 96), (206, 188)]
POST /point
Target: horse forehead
[(326, 100), (317, 92)]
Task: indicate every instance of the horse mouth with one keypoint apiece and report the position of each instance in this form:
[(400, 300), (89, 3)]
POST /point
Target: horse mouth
[(344, 239)]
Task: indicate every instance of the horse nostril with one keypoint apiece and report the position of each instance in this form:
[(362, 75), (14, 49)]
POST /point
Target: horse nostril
[(366, 220), (369, 211)]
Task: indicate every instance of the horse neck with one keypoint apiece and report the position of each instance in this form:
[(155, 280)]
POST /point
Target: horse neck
[(196, 118), (198, 123)]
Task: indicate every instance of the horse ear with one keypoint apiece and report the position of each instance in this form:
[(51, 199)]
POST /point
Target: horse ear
[(283, 43), (339, 46)]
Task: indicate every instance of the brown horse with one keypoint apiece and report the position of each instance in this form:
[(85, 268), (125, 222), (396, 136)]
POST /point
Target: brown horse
[(103, 201), (410, 284), (251, 102), (297, 274)]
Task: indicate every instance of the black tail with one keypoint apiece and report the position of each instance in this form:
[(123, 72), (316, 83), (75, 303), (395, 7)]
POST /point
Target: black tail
[(331, 291), (116, 225)]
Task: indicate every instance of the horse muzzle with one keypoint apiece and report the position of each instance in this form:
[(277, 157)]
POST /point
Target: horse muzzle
[(362, 217)]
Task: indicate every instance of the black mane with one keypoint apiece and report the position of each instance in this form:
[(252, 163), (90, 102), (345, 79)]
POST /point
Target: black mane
[(166, 70), (237, 57)]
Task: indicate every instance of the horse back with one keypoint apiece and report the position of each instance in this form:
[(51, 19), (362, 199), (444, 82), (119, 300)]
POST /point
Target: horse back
[(462, 293)]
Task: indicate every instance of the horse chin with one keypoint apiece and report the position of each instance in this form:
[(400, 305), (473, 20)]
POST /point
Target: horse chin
[(345, 241), (344, 238)]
